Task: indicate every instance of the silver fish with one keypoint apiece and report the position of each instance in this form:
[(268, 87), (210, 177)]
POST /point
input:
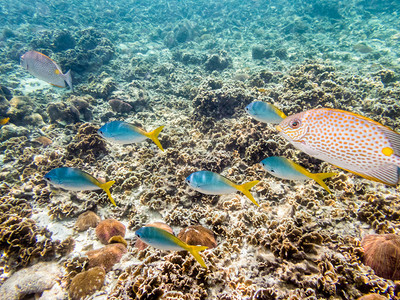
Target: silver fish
[(46, 69)]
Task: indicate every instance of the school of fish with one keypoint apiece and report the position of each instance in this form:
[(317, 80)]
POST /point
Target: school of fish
[(345, 139)]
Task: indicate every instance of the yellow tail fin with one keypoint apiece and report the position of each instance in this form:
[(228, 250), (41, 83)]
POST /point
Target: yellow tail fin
[(106, 187), (153, 135), (318, 177), (245, 189), (194, 250)]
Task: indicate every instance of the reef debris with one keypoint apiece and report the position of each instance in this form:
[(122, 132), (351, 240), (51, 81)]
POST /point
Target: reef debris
[(33, 280)]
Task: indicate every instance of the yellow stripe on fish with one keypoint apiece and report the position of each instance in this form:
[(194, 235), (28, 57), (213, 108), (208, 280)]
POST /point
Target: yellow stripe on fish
[(347, 140)]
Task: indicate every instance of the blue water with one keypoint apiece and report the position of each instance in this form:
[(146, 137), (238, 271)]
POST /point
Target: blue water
[(193, 66)]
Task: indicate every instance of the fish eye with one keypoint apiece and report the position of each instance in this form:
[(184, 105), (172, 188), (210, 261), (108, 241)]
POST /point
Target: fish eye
[(48, 178), (272, 170), (188, 181), (101, 132), (295, 123)]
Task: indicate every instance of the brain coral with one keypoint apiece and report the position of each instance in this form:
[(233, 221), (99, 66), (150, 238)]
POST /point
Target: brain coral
[(382, 254), (86, 283), (86, 220), (109, 228), (107, 256), (198, 235)]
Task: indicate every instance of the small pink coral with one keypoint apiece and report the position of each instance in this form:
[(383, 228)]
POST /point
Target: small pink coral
[(107, 256), (86, 220), (198, 235), (382, 254), (109, 228)]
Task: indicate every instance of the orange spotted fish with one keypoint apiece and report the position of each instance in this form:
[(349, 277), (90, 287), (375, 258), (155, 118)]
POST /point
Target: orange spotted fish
[(347, 140), (46, 69)]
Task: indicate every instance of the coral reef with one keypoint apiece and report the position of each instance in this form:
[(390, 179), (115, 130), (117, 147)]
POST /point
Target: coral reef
[(198, 235), (20, 108), (220, 102), (87, 220), (86, 283), (29, 281), (120, 106), (63, 112), (218, 62), (108, 228), (193, 67), (107, 256), (87, 143)]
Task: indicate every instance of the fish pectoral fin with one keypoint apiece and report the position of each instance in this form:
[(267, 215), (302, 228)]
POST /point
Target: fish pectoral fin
[(194, 250), (319, 177), (153, 135), (245, 189), (106, 187)]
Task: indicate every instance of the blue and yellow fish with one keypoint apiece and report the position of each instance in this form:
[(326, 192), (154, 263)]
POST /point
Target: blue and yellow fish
[(211, 183), (73, 179), (286, 169), (162, 239), (124, 133), (265, 112)]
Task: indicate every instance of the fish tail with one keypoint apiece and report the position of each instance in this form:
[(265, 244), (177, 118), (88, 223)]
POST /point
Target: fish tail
[(153, 135), (106, 187), (245, 189), (194, 250), (68, 79), (319, 177), (279, 112)]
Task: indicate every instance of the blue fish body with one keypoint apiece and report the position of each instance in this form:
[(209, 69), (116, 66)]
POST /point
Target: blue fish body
[(265, 112), (286, 169), (121, 133), (162, 239), (73, 179), (210, 183), (159, 239), (281, 167)]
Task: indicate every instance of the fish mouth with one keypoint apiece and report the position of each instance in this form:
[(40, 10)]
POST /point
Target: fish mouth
[(279, 128)]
